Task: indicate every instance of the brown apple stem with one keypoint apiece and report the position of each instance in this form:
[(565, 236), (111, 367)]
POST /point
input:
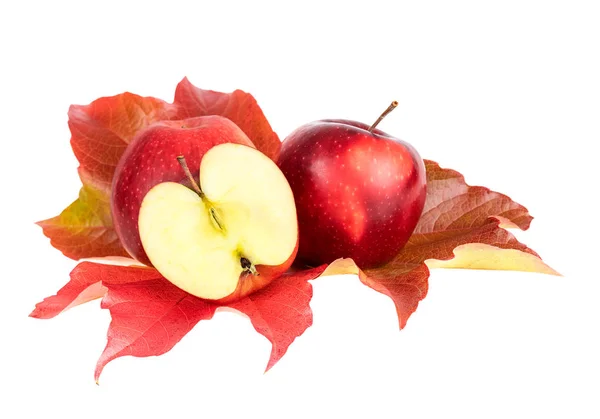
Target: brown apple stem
[(187, 172), (383, 115)]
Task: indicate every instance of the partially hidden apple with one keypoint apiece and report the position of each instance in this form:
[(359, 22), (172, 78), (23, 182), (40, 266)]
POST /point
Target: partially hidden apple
[(151, 158), (359, 191), (228, 235), (220, 237)]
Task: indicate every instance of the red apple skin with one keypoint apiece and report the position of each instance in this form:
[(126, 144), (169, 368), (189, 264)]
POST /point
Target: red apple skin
[(249, 283), (358, 194), (151, 158)]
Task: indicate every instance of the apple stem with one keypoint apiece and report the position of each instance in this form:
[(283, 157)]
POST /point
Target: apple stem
[(383, 115), (187, 172)]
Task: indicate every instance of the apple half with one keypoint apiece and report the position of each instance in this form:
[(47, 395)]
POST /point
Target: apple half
[(230, 234)]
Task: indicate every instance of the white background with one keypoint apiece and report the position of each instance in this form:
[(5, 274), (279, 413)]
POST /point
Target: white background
[(506, 92)]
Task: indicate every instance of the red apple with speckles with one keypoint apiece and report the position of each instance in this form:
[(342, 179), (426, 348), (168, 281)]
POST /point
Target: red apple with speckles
[(151, 158), (212, 214), (359, 192)]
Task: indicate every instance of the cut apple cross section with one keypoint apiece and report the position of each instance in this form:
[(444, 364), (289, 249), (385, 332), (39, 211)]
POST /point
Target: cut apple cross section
[(241, 216)]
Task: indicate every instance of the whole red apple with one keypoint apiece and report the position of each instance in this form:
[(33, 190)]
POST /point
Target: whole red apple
[(359, 192), (151, 158)]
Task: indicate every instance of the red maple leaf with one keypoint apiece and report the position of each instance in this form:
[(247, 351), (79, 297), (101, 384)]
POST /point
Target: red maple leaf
[(101, 131), (460, 227), (150, 315)]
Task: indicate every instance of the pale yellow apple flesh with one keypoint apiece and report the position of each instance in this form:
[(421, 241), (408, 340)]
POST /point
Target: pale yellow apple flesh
[(247, 216)]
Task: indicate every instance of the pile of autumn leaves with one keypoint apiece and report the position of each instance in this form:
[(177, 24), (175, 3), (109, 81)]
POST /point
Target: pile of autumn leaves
[(461, 227)]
